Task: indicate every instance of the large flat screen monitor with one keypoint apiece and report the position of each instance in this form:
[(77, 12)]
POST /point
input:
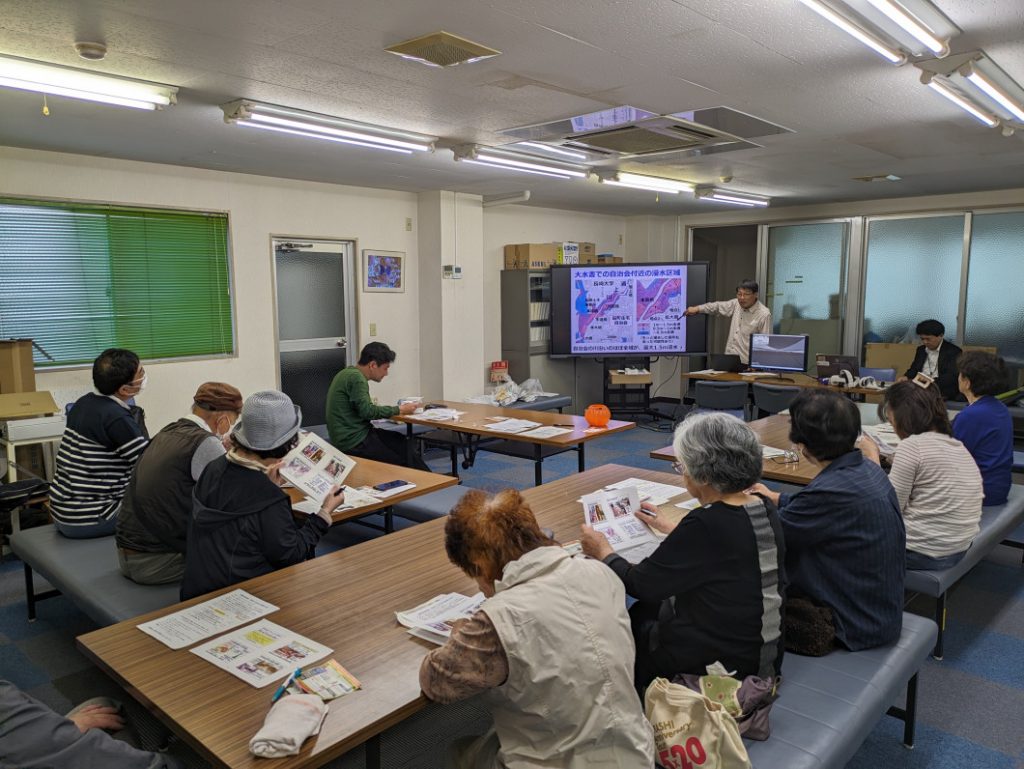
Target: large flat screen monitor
[(625, 310), (778, 352)]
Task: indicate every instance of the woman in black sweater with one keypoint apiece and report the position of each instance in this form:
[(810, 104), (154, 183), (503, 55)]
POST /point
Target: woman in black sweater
[(713, 589)]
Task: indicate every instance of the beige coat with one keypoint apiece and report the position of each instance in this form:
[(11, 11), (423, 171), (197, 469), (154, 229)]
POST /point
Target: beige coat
[(569, 700)]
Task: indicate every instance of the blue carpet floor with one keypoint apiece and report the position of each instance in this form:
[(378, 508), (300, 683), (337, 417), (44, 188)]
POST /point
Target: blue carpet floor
[(970, 709)]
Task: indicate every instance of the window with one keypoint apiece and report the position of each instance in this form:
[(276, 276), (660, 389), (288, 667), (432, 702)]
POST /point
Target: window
[(79, 278), (994, 316), (913, 274)]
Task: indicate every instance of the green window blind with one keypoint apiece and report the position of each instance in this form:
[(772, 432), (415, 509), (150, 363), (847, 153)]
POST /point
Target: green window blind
[(80, 278)]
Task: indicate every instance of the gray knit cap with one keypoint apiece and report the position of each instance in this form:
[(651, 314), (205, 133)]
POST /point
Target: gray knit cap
[(269, 419)]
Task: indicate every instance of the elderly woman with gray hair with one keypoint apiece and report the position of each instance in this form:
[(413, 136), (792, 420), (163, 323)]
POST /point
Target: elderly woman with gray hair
[(713, 589)]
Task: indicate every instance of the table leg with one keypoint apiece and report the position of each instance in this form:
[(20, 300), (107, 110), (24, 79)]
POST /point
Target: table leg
[(389, 520), (538, 463), (12, 471), (581, 457), (410, 450), (373, 752)]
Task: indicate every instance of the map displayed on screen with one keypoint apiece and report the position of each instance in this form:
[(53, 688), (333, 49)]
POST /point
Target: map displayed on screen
[(628, 309)]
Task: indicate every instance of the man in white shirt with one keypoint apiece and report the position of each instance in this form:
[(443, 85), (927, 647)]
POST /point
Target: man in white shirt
[(748, 315), (936, 358)]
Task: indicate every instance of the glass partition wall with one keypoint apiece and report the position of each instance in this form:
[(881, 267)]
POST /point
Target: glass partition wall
[(851, 281), (806, 278)]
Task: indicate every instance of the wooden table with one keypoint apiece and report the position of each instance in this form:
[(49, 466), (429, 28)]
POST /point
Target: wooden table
[(473, 425), (345, 600), (771, 431), (795, 379), (369, 472)]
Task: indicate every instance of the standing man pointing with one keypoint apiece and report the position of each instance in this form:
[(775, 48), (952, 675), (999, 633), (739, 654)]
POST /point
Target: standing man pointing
[(748, 315)]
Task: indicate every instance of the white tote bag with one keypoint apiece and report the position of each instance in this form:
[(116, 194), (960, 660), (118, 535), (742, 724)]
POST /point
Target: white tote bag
[(692, 731)]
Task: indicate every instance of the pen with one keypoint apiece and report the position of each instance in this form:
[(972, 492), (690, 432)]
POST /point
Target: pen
[(285, 685)]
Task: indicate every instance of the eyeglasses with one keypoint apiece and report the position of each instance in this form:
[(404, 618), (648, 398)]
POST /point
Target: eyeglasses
[(679, 468)]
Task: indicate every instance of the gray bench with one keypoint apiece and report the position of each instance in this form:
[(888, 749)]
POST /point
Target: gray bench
[(828, 705), (997, 523), (86, 571), (430, 506)]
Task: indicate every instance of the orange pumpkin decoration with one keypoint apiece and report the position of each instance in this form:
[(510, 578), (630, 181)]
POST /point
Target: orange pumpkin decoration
[(597, 415)]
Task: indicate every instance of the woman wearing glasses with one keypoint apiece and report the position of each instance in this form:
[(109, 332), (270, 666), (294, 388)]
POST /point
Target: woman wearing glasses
[(713, 589)]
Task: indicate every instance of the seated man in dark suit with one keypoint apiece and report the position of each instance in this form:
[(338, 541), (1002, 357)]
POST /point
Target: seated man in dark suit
[(936, 358)]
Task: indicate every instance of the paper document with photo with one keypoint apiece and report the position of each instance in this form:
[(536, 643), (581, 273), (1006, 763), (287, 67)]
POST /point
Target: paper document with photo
[(432, 621), (261, 653), (328, 681), (612, 512), (188, 626), (314, 466), (650, 491)]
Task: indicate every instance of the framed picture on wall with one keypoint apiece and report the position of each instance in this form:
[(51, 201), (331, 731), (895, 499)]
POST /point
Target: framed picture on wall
[(383, 271)]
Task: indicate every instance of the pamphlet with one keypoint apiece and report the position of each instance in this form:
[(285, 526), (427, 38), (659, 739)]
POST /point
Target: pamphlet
[(432, 621), (612, 512), (328, 681), (884, 436), (261, 653), (439, 415), (512, 426), (770, 451), (314, 466), (547, 432), (354, 498), (186, 627), (650, 491), (690, 504)]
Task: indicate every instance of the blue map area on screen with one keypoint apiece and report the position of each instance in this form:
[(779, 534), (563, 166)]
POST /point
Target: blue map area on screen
[(628, 310)]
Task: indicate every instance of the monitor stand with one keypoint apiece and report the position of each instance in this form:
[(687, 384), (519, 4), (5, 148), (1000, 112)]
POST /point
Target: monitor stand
[(773, 375)]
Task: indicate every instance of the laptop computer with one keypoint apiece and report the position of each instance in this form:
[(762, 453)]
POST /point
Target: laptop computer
[(722, 362), (830, 365)]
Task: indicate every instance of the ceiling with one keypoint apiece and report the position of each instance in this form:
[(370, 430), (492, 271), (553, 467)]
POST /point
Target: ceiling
[(852, 114)]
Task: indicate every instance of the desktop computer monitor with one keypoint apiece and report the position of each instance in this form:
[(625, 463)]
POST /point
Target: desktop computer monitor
[(778, 352)]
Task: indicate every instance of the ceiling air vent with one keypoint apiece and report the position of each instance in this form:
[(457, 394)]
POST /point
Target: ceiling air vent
[(442, 49)]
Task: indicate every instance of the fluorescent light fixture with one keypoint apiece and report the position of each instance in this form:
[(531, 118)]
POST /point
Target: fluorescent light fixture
[(869, 39), (311, 125), (642, 182), (26, 75), (732, 198), (941, 88), (911, 25), (659, 190), (513, 161), (982, 82), (554, 150)]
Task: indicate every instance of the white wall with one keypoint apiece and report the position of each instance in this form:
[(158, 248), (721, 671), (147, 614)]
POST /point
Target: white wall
[(259, 207)]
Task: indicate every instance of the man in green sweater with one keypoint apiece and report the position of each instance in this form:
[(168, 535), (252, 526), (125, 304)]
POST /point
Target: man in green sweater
[(350, 411)]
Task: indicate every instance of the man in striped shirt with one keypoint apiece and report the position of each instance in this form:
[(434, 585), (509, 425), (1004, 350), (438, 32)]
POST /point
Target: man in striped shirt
[(101, 444)]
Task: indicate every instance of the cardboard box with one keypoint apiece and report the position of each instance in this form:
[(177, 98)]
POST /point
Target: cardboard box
[(15, 405), (17, 372), (531, 256), (608, 259), (588, 253)]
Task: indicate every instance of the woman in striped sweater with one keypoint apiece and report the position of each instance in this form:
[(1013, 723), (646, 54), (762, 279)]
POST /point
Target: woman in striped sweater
[(937, 483)]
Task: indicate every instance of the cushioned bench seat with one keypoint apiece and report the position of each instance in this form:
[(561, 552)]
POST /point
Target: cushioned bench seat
[(86, 571), (997, 523), (828, 705), (436, 504)]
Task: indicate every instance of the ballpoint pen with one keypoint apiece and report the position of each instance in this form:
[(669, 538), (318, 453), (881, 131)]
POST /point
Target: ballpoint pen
[(281, 689)]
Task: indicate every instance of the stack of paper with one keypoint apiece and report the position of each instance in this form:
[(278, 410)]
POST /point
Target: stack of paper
[(440, 415), (432, 621), (512, 426)]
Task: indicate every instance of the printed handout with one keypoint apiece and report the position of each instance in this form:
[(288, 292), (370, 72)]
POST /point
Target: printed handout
[(650, 491), (612, 513), (512, 426), (188, 626), (314, 466), (328, 681), (432, 621), (261, 653), (547, 432)]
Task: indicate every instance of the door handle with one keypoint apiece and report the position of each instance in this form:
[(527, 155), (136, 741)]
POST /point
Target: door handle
[(343, 343)]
